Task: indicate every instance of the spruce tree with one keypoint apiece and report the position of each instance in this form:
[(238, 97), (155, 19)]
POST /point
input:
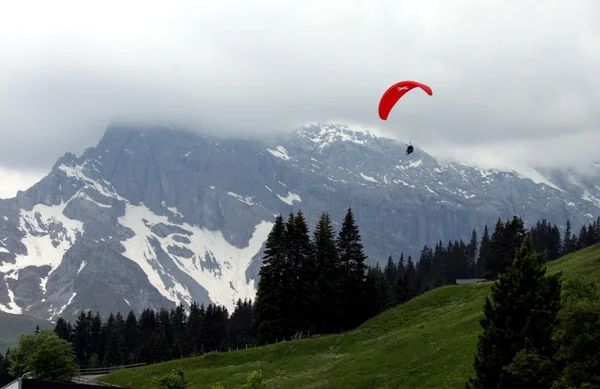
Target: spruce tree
[(376, 291), (271, 306), (471, 254), (484, 252), (302, 296), (326, 258), (62, 329), (518, 319), (390, 271), (352, 278)]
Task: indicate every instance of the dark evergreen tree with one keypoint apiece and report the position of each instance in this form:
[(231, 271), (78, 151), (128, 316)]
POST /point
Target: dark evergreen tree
[(411, 274), (403, 290), (61, 329), (178, 321), (377, 295), (390, 272), (271, 306), (327, 275), (519, 318), (194, 328), (95, 336), (484, 253), (131, 337), (302, 295), (569, 240), (81, 338), (241, 326), (351, 296), (471, 253)]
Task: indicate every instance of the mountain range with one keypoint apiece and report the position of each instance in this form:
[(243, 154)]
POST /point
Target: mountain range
[(154, 216)]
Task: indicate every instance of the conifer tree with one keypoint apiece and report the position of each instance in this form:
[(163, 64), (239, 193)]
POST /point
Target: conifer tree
[(272, 308), (376, 291), (390, 271), (62, 329), (130, 335), (352, 277), (569, 240), (471, 254), (484, 252), (519, 317), (302, 295), (194, 328), (327, 275)]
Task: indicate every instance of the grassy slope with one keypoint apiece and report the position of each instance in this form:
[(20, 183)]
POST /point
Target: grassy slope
[(11, 326), (428, 342)]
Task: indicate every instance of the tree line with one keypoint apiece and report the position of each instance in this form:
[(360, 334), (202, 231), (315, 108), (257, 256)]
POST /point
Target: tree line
[(317, 283)]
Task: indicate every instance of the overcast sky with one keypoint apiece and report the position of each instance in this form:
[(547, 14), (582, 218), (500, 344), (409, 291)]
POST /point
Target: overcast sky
[(515, 78)]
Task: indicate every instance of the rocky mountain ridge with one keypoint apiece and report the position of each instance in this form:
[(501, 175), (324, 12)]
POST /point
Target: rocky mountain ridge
[(154, 216)]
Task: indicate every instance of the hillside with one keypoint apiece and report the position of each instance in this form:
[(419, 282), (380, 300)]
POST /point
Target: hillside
[(428, 342)]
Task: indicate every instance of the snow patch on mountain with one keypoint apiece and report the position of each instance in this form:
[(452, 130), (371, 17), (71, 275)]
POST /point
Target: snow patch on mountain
[(212, 261), (368, 178), (281, 152), (326, 134), (245, 200), (48, 234), (290, 198)]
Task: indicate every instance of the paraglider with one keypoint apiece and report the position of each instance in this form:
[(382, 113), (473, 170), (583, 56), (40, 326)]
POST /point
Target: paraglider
[(395, 92)]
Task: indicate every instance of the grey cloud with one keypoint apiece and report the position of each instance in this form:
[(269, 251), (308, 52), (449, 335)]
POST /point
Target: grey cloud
[(504, 76)]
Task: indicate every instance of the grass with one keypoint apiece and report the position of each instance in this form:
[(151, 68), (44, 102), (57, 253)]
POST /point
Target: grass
[(11, 326), (428, 342)]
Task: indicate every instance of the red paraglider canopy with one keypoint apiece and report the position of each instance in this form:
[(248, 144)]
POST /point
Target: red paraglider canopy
[(395, 92)]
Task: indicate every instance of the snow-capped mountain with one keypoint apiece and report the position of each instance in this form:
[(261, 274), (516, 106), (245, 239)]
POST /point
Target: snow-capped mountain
[(153, 217)]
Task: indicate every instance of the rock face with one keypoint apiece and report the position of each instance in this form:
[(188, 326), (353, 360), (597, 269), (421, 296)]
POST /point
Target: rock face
[(156, 216)]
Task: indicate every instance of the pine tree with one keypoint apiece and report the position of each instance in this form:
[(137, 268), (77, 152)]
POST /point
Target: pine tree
[(62, 329), (302, 297), (471, 254), (178, 321), (376, 291), (411, 274), (327, 258), (484, 252), (194, 327), (131, 337), (81, 338), (352, 265), (390, 271), (569, 240), (271, 307), (519, 318)]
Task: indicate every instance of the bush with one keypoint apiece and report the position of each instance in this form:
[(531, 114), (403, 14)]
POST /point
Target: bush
[(255, 380), (173, 380)]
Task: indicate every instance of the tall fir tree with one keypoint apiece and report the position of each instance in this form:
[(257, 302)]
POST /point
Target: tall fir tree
[(303, 296), (276, 278), (519, 318), (353, 271), (484, 252), (327, 275), (471, 253)]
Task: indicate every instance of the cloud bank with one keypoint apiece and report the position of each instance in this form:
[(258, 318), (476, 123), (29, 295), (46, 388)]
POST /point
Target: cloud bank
[(514, 80)]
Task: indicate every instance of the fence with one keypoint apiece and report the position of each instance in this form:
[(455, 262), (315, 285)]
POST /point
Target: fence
[(104, 370)]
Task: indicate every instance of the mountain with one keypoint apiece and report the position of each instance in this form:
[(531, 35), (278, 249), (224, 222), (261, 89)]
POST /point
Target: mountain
[(153, 216)]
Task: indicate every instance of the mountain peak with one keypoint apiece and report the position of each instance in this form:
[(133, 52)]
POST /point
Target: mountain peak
[(324, 134)]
